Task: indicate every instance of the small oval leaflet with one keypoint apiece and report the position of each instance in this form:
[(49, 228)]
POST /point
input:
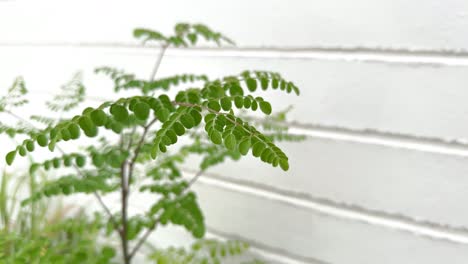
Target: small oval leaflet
[(179, 128), (99, 117), (22, 151), (141, 110), (80, 161), (30, 145), (265, 107), (74, 131), (187, 121), (226, 103), (10, 157), (251, 84), (216, 137), (230, 142), (284, 164), (244, 146), (119, 112), (41, 140), (213, 105)]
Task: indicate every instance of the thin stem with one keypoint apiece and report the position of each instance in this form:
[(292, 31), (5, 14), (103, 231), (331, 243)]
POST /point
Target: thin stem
[(144, 238), (96, 194), (124, 196), (131, 164), (194, 179), (158, 61), (153, 226), (98, 197)]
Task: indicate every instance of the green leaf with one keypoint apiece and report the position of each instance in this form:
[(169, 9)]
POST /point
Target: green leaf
[(86, 123), (226, 103), (116, 127), (10, 157), (119, 112), (56, 163), (141, 110), (108, 252), (265, 107), (247, 102), (29, 145), (251, 84), (239, 102), (99, 117), (257, 149), (179, 128), (284, 164), (214, 105), (274, 83), (42, 140), (22, 151), (235, 89), (67, 161), (147, 34), (80, 161), (65, 134), (216, 137), (98, 160), (74, 130), (162, 114), (196, 117), (230, 142), (192, 37), (244, 146), (91, 132), (187, 121), (264, 83)]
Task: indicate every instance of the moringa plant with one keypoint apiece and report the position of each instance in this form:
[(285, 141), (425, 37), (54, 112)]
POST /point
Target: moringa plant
[(208, 119)]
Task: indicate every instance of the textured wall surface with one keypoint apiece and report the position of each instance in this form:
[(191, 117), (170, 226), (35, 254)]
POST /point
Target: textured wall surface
[(383, 175)]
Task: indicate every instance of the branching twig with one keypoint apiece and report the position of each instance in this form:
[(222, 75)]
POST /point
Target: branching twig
[(152, 228), (158, 61), (98, 197), (131, 164)]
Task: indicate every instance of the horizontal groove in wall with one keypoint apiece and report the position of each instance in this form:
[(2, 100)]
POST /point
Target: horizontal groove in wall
[(384, 55), (457, 147), (397, 222), (261, 249), (266, 251)]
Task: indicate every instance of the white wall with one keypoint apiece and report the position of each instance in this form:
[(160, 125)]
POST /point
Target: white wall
[(383, 177)]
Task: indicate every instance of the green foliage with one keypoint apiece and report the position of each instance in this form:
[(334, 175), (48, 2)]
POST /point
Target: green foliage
[(70, 240), (211, 119), (184, 35), (72, 94), (124, 81), (15, 96), (205, 251), (38, 233)]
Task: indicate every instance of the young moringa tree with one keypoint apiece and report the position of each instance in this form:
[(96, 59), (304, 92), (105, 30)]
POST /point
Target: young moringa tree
[(211, 115)]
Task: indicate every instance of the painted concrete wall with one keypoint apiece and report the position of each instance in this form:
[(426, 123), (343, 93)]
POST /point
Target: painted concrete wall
[(383, 176)]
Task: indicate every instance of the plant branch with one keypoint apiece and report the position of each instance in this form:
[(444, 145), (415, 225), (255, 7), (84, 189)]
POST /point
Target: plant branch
[(132, 162), (158, 61), (98, 197), (144, 238), (124, 196), (138, 149), (153, 226), (194, 179)]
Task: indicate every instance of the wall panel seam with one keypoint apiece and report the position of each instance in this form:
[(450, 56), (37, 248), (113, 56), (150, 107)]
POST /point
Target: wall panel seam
[(411, 57), (392, 221)]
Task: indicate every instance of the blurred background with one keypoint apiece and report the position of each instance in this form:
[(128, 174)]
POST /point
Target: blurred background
[(383, 174)]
